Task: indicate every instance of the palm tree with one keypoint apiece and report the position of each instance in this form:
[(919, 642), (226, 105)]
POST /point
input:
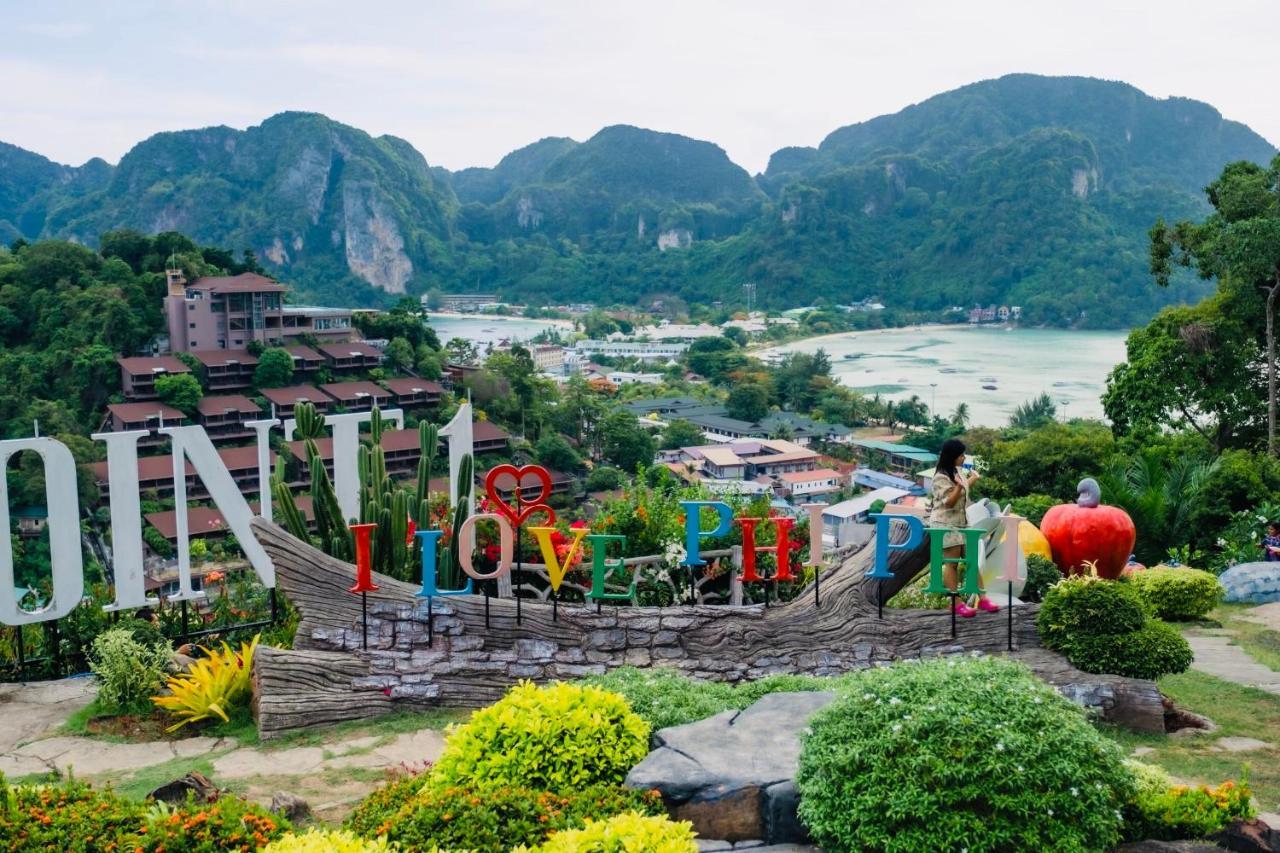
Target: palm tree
[(960, 417), (1159, 496)]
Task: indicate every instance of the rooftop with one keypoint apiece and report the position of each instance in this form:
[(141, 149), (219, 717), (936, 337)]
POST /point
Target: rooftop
[(224, 357), (355, 349), (140, 364), (298, 351), (807, 476), (291, 394), (413, 386), (357, 390), (223, 403), (916, 454), (862, 503), (248, 282), (130, 412)]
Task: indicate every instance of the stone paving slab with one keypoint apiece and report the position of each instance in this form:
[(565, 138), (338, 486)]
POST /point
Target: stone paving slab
[(30, 710), (89, 757), (1216, 656)]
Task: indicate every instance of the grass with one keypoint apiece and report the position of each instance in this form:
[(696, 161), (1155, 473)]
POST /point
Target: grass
[(1238, 711)]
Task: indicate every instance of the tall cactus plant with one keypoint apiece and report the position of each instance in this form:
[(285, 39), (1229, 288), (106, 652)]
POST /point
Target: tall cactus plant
[(382, 502)]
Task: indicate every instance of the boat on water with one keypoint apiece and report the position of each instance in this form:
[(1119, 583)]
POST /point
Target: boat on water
[(851, 356), (990, 379), (948, 370), (989, 388), (1060, 385)]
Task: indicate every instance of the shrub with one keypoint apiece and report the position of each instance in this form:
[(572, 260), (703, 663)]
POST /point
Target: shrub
[(128, 671), (913, 597), (1033, 507), (624, 832), (384, 803), (1177, 593), (326, 841), (959, 753), (1153, 650), (498, 818), (556, 737), (1163, 811), (663, 697), (213, 686), (1041, 574), (66, 816), (1084, 605), (228, 823)]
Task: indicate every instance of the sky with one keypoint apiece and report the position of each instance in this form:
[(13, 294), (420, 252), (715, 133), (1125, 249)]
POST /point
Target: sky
[(468, 82)]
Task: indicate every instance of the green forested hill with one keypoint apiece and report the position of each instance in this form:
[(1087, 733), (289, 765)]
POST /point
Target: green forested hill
[(1026, 190)]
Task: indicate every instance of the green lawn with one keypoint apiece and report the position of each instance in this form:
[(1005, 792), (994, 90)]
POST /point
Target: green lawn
[(1239, 712)]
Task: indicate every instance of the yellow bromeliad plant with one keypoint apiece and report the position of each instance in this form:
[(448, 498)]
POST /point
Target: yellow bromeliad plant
[(213, 685)]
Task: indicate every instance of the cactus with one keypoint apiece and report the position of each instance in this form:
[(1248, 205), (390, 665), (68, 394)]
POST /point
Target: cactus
[(381, 501)]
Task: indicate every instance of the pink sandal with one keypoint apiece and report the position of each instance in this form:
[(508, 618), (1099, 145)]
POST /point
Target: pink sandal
[(964, 611), (985, 604)]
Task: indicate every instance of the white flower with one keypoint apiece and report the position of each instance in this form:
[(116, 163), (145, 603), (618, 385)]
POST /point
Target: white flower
[(897, 727), (1050, 811), (999, 747), (1074, 792), (1018, 768), (1222, 543), (868, 696), (1038, 700), (894, 700)]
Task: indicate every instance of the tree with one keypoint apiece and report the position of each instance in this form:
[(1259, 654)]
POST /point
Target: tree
[(736, 334), (399, 353), (960, 417), (1160, 497), (624, 442), (1189, 367), (748, 401), (800, 379), (682, 433), (554, 451), (462, 351), (605, 478), (274, 370), (434, 300), (180, 390), (1033, 413), (715, 358), (1239, 243), (1050, 460)]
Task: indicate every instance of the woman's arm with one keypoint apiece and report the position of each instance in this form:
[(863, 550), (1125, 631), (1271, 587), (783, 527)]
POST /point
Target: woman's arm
[(953, 497)]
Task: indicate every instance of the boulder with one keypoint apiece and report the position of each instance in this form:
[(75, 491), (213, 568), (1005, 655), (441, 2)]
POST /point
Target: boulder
[(1248, 836), (1252, 583), (732, 775), (291, 806), (193, 783)]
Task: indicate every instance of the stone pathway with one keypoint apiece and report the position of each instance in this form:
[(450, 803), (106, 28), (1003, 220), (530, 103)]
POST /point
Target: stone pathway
[(1216, 656)]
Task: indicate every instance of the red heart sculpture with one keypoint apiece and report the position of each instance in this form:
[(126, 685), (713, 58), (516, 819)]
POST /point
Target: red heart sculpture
[(523, 509)]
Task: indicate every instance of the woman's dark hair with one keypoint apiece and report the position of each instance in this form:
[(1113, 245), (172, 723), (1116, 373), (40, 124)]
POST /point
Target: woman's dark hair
[(952, 449), (1273, 525)]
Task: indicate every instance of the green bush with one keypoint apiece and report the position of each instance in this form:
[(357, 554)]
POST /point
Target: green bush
[(1163, 811), (373, 812), (326, 841), (664, 697), (1083, 605), (955, 754), (66, 816), (555, 737), (227, 824), (1033, 507), (1041, 574), (74, 817), (624, 832), (913, 597), (1153, 650), (494, 819), (1178, 593), (129, 672)]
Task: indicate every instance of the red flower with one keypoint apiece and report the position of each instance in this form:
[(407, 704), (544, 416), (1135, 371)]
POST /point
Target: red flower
[(493, 553), (410, 531), (578, 525)]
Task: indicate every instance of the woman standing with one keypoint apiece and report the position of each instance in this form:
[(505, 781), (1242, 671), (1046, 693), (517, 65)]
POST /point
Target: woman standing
[(950, 498)]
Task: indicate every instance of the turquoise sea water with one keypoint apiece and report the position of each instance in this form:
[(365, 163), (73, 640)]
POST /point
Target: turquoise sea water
[(1072, 366), (485, 329)]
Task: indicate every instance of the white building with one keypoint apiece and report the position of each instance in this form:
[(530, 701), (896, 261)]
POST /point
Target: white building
[(643, 350), (809, 485), (626, 377), (845, 523), (548, 358), (666, 331)]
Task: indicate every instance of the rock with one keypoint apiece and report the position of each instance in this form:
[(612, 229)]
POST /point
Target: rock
[(1168, 847), (1248, 836), (1239, 744), (731, 774), (1252, 583), (177, 790), (292, 807)]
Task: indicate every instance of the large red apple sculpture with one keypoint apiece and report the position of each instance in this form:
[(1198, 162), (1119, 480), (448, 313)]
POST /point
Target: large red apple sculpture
[(1089, 532)]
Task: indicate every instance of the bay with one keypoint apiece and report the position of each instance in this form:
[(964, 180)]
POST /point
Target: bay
[(947, 365), (485, 329)]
